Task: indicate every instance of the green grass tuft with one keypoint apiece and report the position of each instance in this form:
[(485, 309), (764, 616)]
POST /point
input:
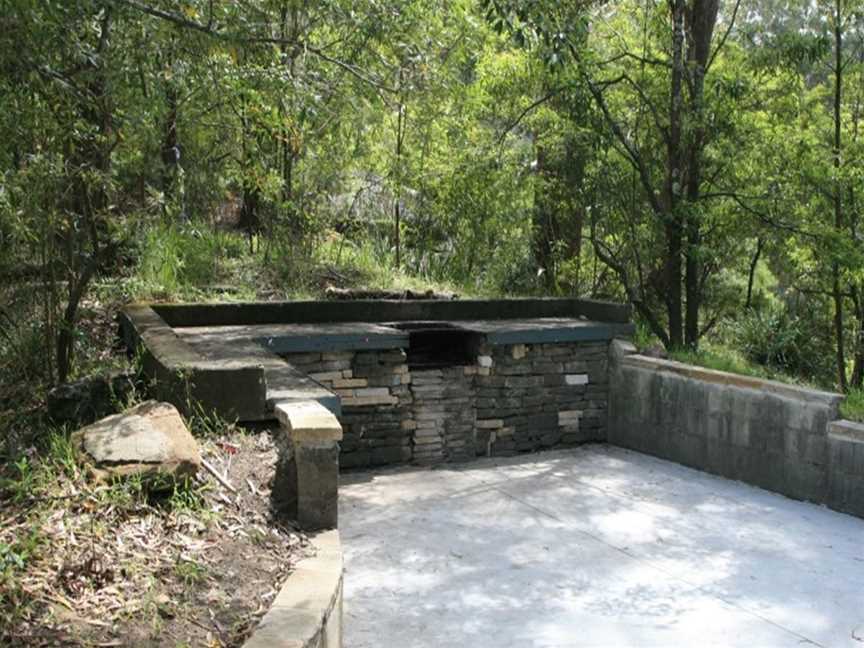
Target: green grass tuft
[(722, 358), (852, 407)]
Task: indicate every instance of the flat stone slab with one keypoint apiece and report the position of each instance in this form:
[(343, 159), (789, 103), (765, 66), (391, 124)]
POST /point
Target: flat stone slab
[(150, 437), (545, 330), (598, 546)]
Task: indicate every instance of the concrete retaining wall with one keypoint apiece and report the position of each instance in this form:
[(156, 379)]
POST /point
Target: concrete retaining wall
[(307, 611), (776, 436), (846, 461)]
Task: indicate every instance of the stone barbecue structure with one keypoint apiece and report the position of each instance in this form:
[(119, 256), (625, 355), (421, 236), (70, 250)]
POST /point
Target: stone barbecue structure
[(375, 382), (422, 382)]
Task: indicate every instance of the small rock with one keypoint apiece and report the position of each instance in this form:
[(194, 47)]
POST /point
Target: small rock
[(148, 439), (86, 400)]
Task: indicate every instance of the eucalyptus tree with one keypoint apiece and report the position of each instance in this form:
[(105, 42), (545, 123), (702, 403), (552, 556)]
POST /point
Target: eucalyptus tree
[(646, 67), (811, 157), (69, 58)]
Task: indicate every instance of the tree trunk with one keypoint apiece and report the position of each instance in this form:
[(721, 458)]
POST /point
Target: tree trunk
[(171, 149), (542, 228), (88, 203), (857, 380), (673, 182), (751, 275), (701, 18), (838, 195), (397, 199), (289, 149)]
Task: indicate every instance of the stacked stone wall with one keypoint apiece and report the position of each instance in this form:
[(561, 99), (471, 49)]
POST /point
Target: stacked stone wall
[(443, 412), (514, 398), (540, 396), (373, 387)]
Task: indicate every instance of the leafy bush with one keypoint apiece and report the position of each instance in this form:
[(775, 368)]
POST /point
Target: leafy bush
[(783, 340), (722, 358)]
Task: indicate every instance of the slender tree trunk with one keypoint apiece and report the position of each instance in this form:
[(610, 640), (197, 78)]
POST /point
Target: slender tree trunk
[(751, 275), (397, 201), (170, 147), (673, 183), (89, 200), (542, 230), (289, 31), (701, 17), (857, 380), (838, 195), (575, 173)]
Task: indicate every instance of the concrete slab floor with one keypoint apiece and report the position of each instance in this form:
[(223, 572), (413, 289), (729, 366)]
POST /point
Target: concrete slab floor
[(596, 546)]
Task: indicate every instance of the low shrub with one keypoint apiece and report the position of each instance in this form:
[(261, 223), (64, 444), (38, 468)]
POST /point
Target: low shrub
[(852, 407), (784, 341)]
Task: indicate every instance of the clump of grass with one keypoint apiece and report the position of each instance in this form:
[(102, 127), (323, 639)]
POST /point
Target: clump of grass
[(190, 572), (852, 407), (186, 261), (370, 262), (722, 358)]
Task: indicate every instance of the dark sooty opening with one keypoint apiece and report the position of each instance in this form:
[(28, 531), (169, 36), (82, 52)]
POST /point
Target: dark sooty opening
[(434, 345)]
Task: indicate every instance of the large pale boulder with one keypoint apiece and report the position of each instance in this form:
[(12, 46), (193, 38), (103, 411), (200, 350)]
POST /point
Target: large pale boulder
[(148, 439)]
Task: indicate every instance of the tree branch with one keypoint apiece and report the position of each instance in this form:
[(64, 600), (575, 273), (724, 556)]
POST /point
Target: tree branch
[(534, 104), (632, 152), (212, 32), (725, 36)]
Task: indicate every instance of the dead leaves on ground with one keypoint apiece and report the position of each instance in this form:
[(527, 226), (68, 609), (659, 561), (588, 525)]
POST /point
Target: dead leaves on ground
[(201, 567)]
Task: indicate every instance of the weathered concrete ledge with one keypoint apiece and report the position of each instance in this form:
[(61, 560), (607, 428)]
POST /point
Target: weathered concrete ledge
[(734, 380), (387, 310), (306, 486), (307, 611), (780, 437), (237, 382), (180, 376)]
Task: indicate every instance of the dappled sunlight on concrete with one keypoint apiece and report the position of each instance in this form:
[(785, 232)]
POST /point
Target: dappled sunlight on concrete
[(593, 547)]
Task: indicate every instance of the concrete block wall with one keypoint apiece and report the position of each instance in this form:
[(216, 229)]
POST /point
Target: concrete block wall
[(846, 461), (512, 398), (779, 437)]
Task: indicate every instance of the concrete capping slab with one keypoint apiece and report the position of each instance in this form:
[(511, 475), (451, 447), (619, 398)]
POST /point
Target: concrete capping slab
[(308, 422), (324, 342), (598, 332), (382, 310), (243, 389), (734, 380), (846, 430), (307, 611)]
